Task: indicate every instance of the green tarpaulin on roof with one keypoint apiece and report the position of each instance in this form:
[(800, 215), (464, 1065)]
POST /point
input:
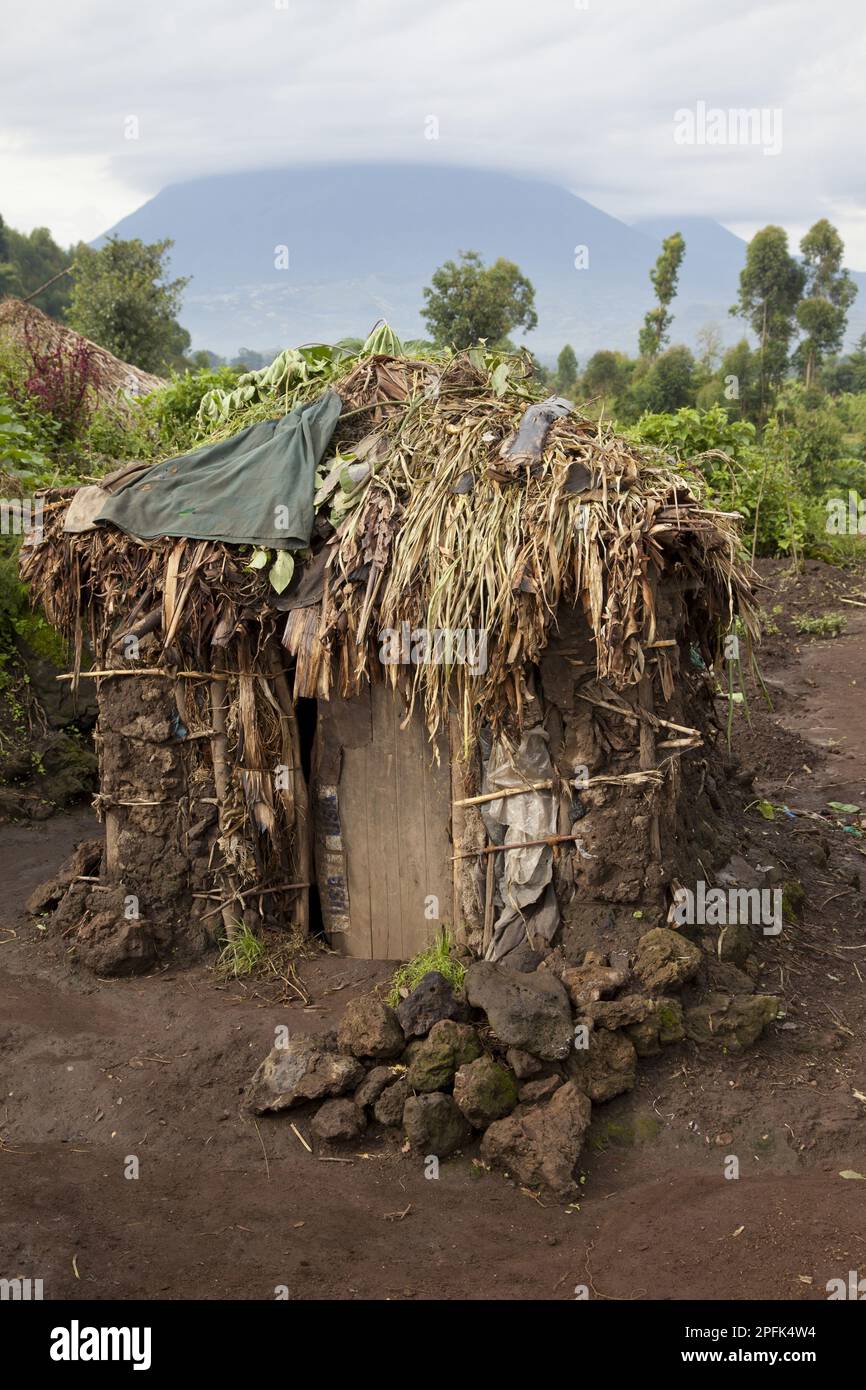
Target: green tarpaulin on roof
[(255, 488)]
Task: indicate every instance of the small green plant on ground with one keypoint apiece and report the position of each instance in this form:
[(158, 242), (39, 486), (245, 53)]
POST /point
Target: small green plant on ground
[(436, 956), (734, 668), (271, 955), (241, 954), (829, 625), (767, 618)]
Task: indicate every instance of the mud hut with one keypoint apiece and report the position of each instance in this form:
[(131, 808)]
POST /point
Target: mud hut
[(478, 693)]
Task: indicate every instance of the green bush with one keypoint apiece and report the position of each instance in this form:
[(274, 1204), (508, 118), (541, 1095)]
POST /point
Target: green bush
[(827, 625), (23, 469), (158, 426), (118, 435), (172, 411), (756, 480), (20, 459), (689, 432)]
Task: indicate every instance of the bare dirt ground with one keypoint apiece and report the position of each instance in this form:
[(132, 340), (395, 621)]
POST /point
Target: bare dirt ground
[(93, 1071)]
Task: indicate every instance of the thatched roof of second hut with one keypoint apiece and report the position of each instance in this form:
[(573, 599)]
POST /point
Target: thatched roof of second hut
[(23, 325)]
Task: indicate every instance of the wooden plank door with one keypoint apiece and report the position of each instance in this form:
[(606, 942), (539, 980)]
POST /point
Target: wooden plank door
[(384, 814)]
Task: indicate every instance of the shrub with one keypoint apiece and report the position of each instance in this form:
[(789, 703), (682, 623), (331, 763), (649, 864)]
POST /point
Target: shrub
[(172, 411), (63, 381), (757, 480), (159, 425), (20, 462)]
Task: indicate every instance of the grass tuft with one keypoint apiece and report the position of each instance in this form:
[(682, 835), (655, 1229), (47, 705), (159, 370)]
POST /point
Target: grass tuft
[(241, 955), (436, 956)]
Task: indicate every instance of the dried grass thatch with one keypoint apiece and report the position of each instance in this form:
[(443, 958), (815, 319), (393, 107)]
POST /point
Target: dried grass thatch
[(446, 531)]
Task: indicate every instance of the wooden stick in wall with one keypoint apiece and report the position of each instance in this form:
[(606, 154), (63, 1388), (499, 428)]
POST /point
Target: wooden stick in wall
[(222, 782)]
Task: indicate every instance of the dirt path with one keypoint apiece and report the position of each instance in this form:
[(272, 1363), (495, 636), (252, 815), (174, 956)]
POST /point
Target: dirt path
[(95, 1072)]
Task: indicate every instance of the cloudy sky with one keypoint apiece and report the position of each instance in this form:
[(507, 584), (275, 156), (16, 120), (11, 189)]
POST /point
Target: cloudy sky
[(103, 103)]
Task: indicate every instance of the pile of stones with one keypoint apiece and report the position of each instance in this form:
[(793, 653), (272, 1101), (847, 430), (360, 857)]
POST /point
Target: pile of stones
[(518, 1058)]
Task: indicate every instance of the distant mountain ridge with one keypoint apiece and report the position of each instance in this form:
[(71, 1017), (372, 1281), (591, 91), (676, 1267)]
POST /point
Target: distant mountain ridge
[(362, 240)]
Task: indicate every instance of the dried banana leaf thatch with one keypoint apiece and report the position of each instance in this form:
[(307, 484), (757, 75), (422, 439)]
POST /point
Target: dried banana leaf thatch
[(427, 521), (446, 536)]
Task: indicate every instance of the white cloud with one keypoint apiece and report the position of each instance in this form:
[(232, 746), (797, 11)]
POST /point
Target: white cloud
[(586, 97), (74, 195)]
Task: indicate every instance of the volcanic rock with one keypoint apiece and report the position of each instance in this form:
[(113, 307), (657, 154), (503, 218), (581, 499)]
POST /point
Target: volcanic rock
[(606, 1068), (522, 1064), (541, 1145), (388, 1109), (374, 1084), (662, 1025), (530, 1012), (112, 946), (733, 1021), (432, 1000), (308, 1067), (338, 1121), (434, 1125), (588, 982), (447, 1047), (542, 1088), (485, 1091), (665, 960), (370, 1029)]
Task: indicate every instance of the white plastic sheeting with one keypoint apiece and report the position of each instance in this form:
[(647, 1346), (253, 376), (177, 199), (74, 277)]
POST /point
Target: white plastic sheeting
[(523, 878)]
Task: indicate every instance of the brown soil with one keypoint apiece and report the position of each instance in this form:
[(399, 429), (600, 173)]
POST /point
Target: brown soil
[(94, 1070)]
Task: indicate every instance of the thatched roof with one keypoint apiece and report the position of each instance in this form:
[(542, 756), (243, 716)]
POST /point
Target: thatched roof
[(446, 529), (21, 323)]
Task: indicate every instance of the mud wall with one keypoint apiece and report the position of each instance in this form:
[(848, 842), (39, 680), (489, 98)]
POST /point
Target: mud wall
[(636, 841), (632, 841), (157, 797), (146, 900)]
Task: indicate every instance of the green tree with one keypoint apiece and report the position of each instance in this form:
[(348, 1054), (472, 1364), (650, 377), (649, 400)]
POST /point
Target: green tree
[(771, 283), (740, 384), (9, 281), (669, 383), (606, 374), (467, 301), (828, 295), (38, 260), (847, 373), (734, 384), (123, 301), (811, 431), (566, 371), (663, 275)]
